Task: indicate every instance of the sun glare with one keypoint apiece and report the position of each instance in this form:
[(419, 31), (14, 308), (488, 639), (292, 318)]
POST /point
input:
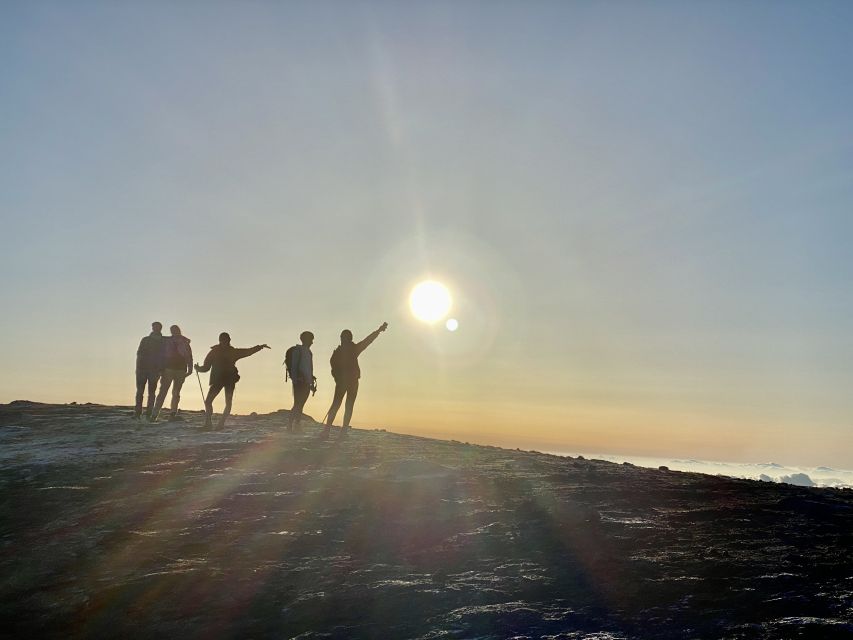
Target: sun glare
[(430, 301)]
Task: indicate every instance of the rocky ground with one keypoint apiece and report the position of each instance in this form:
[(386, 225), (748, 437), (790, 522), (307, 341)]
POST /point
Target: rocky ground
[(111, 528)]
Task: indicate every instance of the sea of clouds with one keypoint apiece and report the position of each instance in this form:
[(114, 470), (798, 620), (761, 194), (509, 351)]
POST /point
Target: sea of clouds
[(766, 471)]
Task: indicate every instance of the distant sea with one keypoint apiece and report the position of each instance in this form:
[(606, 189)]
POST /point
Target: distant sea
[(766, 471)]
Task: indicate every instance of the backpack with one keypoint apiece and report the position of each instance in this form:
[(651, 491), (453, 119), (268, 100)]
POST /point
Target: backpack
[(174, 357), (335, 361), (151, 355), (290, 360)]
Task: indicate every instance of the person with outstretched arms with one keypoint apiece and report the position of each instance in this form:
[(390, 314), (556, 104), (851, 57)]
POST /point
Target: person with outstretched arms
[(221, 362)]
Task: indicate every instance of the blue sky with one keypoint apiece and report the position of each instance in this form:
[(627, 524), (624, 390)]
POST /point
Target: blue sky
[(643, 210)]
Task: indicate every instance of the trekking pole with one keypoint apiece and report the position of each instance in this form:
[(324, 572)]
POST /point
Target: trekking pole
[(201, 390)]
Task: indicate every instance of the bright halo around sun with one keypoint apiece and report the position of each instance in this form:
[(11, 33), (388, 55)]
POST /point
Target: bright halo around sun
[(430, 301)]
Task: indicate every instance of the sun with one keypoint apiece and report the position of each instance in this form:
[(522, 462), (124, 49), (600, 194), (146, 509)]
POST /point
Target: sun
[(430, 301)]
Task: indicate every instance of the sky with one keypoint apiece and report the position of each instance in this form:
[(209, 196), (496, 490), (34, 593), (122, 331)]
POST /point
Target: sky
[(643, 212)]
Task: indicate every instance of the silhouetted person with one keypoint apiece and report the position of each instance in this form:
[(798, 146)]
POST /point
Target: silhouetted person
[(149, 367), (178, 365), (346, 372), (222, 360), (301, 370)]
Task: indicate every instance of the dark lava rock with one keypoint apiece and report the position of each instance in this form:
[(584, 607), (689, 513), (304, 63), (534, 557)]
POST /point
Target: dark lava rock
[(249, 534)]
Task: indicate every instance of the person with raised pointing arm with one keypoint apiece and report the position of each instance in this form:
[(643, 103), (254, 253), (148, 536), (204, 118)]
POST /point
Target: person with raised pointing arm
[(346, 372)]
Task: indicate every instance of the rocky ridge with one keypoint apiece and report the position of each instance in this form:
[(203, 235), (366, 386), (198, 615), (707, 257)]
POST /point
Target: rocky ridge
[(113, 528)]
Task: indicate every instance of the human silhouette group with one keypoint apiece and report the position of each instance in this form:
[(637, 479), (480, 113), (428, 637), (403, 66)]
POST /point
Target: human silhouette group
[(168, 361)]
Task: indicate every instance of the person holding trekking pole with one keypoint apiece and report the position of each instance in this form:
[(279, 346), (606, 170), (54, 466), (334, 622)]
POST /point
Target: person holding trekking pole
[(299, 363), (221, 362), (346, 372)]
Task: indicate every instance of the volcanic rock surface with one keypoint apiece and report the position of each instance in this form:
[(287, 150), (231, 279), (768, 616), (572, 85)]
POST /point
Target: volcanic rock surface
[(113, 528)]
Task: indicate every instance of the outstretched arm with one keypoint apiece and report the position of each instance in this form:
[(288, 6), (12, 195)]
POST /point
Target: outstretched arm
[(361, 346), (243, 353)]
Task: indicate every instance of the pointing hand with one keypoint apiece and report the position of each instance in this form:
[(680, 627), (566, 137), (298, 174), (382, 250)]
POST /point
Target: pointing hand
[(383, 326)]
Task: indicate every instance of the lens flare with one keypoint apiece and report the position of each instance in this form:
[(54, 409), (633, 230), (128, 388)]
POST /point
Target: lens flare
[(452, 324), (430, 301)]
